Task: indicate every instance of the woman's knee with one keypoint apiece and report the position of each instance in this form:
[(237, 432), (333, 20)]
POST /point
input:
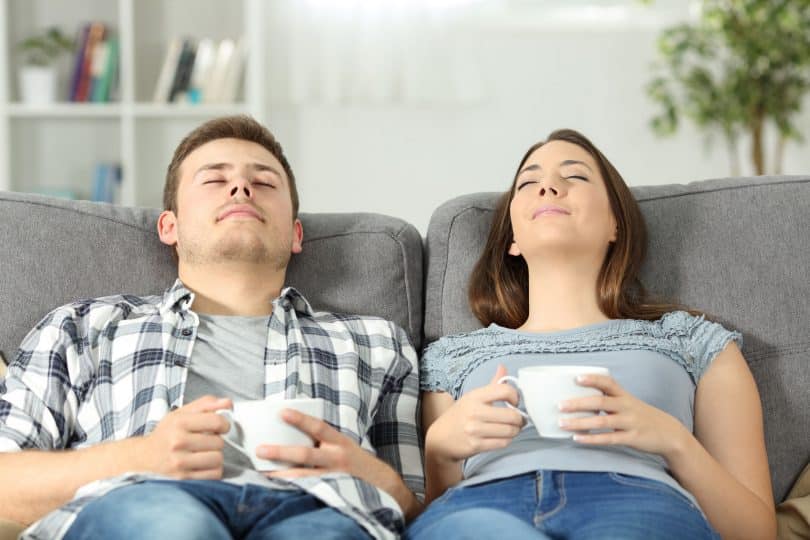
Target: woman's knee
[(472, 523)]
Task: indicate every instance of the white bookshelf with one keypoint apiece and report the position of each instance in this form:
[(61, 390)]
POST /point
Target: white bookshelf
[(56, 146)]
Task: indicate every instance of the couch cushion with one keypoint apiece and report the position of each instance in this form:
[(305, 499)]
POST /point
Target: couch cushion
[(735, 248), (54, 251)]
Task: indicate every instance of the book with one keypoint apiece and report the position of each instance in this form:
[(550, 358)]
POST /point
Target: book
[(106, 84), (203, 64), (182, 75), (94, 35), (81, 44), (166, 77), (97, 67), (214, 89), (233, 74), (106, 182)]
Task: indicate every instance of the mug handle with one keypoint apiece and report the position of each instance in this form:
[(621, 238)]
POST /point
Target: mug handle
[(509, 378), (228, 414)]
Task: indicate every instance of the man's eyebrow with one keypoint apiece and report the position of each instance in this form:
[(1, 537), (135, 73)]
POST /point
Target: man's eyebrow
[(224, 166)]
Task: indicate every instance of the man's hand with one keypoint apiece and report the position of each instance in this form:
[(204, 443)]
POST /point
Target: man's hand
[(335, 452), (186, 444)]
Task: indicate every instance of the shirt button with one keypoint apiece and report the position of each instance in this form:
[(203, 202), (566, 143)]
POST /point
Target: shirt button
[(187, 332)]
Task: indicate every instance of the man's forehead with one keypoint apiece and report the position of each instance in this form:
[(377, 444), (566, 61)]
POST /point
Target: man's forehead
[(229, 151)]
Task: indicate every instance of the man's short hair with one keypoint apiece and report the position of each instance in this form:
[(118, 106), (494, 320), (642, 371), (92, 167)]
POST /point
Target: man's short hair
[(228, 127)]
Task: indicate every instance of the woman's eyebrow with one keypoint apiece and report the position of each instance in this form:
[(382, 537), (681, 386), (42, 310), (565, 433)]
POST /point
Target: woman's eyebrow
[(575, 162), (534, 167)]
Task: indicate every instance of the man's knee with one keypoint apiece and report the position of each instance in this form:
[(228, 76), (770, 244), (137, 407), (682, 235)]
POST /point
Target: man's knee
[(149, 510)]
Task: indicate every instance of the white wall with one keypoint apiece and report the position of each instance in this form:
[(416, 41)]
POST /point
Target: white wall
[(539, 74)]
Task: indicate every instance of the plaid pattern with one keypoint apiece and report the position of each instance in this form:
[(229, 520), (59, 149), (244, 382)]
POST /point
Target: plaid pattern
[(111, 368)]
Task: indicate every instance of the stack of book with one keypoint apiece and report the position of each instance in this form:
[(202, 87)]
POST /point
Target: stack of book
[(200, 71), (95, 68), (106, 183)]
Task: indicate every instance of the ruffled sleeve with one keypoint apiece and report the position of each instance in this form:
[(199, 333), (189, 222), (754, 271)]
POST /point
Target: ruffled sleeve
[(434, 368), (700, 340)]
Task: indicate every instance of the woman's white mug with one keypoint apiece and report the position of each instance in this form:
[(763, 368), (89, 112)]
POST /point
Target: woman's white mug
[(257, 422), (542, 388)]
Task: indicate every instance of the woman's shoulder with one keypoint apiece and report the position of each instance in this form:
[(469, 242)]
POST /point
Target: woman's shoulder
[(697, 339), (457, 345), (694, 327)]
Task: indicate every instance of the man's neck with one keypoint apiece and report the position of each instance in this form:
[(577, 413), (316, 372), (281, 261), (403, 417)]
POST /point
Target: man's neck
[(231, 289)]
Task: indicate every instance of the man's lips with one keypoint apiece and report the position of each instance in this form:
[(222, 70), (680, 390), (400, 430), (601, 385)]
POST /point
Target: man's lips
[(550, 210), (241, 210)]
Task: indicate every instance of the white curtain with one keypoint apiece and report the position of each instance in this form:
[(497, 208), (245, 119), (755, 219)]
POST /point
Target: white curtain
[(381, 52)]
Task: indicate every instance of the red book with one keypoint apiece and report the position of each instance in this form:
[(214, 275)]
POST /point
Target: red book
[(94, 36)]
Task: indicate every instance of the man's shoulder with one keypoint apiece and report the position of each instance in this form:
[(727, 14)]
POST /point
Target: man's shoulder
[(358, 327), (349, 321), (125, 305)]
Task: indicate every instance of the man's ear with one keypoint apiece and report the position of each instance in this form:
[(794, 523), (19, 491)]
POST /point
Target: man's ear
[(167, 227), (514, 249), (297, 236)]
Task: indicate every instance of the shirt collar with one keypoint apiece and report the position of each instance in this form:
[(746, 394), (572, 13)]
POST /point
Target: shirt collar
[(179, 298)]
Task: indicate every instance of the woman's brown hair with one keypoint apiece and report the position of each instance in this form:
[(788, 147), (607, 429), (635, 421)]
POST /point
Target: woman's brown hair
[(499, 285)]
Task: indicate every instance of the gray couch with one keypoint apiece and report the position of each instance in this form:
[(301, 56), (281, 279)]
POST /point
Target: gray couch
[(736, 248)]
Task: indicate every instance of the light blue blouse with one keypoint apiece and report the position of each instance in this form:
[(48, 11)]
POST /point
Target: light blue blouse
[(659, 362)]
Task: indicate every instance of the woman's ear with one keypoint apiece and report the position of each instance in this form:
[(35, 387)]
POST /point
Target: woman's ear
[(514, 249)]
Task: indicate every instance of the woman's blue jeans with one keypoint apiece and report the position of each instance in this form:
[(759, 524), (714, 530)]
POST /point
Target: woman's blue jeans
[(560, 504), (209, 509)]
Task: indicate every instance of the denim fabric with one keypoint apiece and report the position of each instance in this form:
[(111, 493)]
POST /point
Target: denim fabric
[(209, 510), (563, 505)]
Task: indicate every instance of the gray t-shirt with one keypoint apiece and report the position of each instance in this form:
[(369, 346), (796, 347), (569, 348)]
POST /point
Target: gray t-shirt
[(659, 362), (228, 361)]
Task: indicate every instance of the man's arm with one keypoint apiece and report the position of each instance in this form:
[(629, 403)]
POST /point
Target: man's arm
[(185, 444), (394, 434)]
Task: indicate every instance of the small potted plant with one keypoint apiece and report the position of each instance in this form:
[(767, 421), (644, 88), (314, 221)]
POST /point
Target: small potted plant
[(38, 73)]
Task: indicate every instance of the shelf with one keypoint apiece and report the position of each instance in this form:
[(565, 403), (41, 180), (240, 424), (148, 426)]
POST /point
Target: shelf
[(55, 146), (167, 110), (64, 110)]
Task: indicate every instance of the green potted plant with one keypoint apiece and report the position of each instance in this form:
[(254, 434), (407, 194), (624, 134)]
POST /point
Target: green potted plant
[(39, 73), (741, 69)]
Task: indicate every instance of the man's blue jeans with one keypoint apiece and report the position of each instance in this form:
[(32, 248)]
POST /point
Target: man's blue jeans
[(558, 504), (208, 509)]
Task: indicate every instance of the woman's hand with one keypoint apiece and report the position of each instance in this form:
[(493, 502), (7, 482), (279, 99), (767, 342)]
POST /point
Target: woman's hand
[(633, 422), (473, 425)]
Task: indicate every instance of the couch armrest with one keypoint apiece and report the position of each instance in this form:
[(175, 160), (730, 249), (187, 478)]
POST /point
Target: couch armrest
[(10, 530)]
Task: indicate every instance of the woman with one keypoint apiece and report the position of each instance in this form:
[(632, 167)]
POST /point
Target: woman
[(676, 448)]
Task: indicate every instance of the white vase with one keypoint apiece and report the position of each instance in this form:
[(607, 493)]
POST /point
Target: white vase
[(38, 84)]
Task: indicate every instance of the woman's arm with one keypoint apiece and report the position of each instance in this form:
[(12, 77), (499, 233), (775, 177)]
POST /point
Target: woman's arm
[(439, 474), (723, 464), (726, 467), (456, 430)]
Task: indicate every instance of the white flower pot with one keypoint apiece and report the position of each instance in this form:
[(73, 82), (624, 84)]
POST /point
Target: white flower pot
[(38, 84)]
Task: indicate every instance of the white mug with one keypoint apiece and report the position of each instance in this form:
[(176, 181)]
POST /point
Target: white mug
[(544, 387), (257, 422)]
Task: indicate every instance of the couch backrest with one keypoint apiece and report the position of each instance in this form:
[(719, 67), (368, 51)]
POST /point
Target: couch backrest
[(54, 251), (738, 249)]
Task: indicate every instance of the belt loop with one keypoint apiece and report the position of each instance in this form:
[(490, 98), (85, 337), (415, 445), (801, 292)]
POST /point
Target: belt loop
[(538, 485)]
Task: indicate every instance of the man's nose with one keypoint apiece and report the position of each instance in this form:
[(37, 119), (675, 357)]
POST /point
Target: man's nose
[(241, 186)]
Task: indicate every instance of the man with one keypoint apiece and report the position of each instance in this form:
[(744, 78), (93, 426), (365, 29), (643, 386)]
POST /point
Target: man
[(128, 384)]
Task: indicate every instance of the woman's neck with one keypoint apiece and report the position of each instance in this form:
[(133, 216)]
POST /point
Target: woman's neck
[(562, 296)]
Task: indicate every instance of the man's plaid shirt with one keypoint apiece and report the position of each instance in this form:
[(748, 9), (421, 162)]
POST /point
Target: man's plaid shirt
[(111, 368)]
